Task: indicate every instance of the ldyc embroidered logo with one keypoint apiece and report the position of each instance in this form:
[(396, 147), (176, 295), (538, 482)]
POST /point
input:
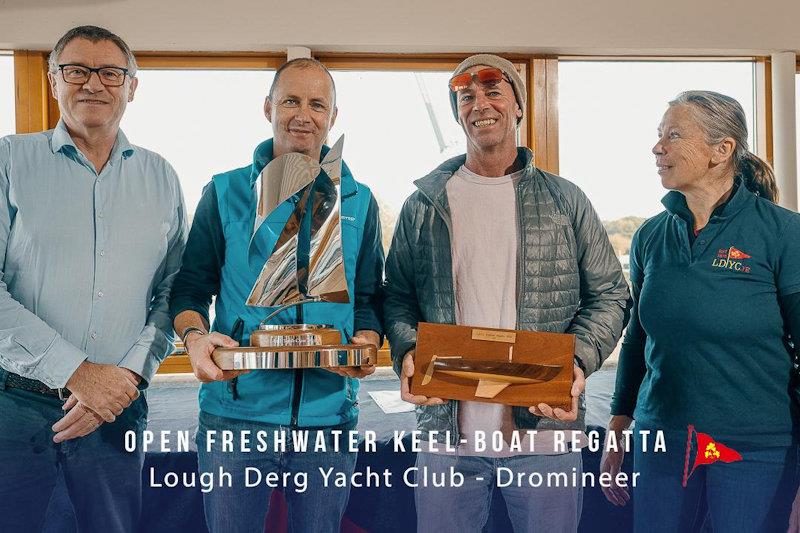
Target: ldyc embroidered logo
[(730, 258)]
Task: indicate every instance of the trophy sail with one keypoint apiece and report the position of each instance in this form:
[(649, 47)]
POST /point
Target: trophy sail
[(306, 263), (326, 275), (281, 179)]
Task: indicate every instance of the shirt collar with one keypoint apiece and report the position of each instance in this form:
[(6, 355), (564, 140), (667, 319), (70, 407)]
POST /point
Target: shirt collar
[(62, 138), (675, 202), (122, 148), (434, 184)]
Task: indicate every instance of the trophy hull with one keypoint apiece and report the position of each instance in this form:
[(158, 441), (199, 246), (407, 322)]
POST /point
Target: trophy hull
[(494, 365), (327, 356)]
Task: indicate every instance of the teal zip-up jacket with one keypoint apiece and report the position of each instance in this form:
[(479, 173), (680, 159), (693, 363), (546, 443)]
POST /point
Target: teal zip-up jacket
[(221, 260)]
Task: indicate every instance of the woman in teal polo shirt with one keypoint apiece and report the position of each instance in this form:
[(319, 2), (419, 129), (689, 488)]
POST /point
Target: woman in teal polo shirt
[(716, 289)]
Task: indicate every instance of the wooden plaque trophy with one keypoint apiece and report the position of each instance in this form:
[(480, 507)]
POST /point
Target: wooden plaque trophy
[(493, 365), (306, 265)]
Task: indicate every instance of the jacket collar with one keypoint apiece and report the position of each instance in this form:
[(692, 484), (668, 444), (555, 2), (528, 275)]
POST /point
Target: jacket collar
[(675, 202), (263, 155), (434, 184)]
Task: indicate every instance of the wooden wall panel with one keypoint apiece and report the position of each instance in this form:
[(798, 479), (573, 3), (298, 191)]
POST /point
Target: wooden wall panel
[(543, 110), (763, 111), (32, 91)]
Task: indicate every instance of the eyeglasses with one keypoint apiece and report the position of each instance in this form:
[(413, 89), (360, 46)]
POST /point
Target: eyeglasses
[(80, 74), (485, 76)]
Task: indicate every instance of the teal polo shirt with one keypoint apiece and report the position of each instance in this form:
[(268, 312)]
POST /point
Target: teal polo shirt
[(707, 345)]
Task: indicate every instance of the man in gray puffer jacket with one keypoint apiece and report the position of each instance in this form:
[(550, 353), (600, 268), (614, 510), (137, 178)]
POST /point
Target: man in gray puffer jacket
[(489, 240)]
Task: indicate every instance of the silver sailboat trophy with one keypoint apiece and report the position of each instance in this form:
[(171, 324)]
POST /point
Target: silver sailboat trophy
[(306, 266)]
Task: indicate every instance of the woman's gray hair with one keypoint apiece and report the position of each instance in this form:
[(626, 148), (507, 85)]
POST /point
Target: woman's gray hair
[(94, 34), (720, 117)]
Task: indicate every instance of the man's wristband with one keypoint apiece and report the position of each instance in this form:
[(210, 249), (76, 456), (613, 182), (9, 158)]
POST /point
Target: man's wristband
[(190, 329)]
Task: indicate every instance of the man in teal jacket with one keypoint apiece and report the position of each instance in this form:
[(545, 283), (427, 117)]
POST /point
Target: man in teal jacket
[(219, 262)]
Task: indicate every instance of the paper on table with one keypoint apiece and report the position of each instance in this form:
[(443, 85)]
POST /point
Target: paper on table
[(389, 401)]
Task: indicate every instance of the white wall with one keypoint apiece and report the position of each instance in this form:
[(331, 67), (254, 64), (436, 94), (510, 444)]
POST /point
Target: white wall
[(542, 26)]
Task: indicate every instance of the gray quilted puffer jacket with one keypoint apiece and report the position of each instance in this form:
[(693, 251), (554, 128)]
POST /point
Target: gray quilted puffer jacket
[(568, 278)]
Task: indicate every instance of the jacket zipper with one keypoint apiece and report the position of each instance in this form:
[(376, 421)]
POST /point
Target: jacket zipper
[(436, 207), (298, 378), (298, 374), (520, 251), (298, 389)]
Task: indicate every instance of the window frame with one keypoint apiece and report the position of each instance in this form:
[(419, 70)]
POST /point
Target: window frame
[(36, 110)]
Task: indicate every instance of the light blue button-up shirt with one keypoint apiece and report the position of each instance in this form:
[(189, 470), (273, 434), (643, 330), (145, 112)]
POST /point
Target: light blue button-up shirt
[(86, 259)]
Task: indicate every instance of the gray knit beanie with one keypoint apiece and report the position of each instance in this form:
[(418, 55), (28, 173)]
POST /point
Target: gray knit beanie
[(505, 65)]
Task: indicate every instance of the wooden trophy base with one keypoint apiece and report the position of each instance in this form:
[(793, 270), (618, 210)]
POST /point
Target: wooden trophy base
[(509, 367)]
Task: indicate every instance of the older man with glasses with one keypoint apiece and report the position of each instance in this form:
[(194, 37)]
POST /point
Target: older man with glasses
[(92, 229), (490, 240)]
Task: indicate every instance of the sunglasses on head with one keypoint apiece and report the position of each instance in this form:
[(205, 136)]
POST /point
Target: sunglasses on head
[(485, 76)]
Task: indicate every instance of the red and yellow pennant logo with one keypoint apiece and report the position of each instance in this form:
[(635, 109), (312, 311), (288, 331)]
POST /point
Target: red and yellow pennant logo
[(708, 451), (731, 259), (735, 253)]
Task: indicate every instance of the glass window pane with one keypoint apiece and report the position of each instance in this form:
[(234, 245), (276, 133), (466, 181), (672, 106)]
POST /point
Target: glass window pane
[(608, 116), (7, 104), (202, 121), (398, 126)]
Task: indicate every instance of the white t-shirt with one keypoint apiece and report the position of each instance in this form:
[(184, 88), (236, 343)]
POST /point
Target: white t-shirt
[(484, 249)]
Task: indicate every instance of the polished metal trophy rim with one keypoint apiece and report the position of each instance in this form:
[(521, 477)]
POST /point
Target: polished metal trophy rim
[(329, 356)]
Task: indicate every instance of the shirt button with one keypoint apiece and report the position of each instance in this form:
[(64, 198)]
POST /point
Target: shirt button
[(93, 335), (702, 242), (102, 253), (101, 215), (99, 294)]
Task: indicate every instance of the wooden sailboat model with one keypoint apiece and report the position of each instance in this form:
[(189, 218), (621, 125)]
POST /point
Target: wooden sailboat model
[(493, 365), (492, 376)]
